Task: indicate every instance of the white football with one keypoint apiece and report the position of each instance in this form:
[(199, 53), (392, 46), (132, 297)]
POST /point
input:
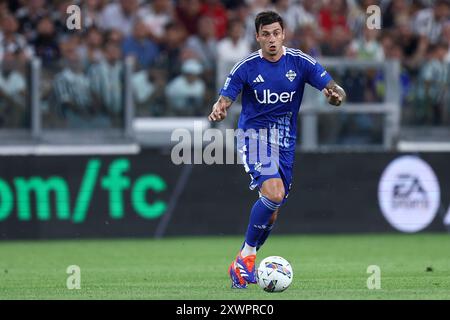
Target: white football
[(274, 274)]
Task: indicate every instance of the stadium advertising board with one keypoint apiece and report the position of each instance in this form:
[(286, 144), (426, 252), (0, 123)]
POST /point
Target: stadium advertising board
[(146, 195), (82, 196), (409, 194)]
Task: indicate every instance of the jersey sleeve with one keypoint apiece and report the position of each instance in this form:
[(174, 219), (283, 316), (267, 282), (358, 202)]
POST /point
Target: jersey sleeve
[(318, 77), (233, 84)]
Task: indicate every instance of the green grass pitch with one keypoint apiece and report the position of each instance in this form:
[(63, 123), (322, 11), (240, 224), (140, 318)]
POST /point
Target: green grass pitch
[(325, 267)]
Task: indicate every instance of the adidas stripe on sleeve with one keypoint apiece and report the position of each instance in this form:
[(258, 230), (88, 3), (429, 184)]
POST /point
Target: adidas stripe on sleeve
[(236, 79)]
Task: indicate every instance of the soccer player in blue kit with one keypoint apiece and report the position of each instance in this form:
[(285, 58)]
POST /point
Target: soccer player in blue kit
[(272, 81)]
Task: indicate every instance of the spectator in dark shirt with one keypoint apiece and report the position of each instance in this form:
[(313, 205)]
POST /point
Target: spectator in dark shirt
[(172, 49), (29, 16), (140, 46), (187, 13), (45, 44)]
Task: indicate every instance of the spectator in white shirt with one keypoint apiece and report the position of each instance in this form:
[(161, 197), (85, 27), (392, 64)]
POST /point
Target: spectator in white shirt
[(71, 93), (230, 50), (185, 94), (156, 17), (294, 16), (105, 80), (12, 94), (121, 16), (428, 22), (11, 41), (432, 88), (367, 47)]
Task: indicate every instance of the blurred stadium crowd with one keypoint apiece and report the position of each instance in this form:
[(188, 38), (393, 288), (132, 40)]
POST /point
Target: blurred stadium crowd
[(183, 50)]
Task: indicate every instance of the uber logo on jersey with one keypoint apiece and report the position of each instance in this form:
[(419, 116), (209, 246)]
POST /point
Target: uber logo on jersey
[(269, 97), (409, 194)]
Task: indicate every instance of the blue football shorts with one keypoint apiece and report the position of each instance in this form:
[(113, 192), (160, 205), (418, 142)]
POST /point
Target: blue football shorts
[(263, 161)]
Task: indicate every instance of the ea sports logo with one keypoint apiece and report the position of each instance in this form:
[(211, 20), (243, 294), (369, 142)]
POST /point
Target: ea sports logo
[(409, 194)]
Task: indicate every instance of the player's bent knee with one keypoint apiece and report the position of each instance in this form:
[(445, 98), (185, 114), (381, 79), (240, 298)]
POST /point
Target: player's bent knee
[(276, 196), (273, 190)]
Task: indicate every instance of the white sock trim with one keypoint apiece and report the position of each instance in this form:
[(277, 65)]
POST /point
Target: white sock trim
[(247, 250)]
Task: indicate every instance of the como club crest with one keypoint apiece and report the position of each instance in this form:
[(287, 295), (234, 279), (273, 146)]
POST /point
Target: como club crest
[(291, 75)]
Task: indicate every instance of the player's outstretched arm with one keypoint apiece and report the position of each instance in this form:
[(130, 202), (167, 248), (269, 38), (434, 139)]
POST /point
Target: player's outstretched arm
[(219, 110), (334, 93)]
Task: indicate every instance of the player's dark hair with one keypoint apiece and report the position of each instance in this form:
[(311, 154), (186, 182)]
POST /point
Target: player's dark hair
[(267, 17)]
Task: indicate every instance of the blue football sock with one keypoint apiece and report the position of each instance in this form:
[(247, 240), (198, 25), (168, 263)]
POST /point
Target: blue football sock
[(264, 236), (262, 239), (259, 220)]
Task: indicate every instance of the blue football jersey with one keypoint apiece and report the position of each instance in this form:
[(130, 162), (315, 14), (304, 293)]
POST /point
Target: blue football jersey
[(272, 91)]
